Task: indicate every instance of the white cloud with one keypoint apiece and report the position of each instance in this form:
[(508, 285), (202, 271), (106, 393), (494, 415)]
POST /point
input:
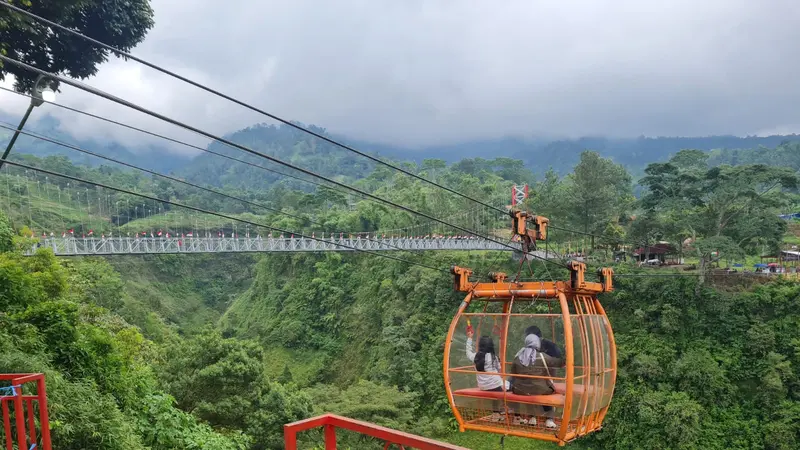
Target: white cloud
[(423, 72)]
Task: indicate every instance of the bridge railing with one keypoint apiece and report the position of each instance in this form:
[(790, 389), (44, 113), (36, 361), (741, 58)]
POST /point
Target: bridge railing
[(22, 409), (331, 422), (78, 246)]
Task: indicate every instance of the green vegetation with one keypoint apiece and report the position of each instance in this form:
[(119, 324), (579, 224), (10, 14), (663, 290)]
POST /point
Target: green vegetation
[(208, 351), (102, 390), (711, 213), (710, 371), (787, 154), (118, 24)]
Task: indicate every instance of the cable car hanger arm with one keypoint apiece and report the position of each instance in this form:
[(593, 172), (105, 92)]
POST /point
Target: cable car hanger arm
[(531, 228)]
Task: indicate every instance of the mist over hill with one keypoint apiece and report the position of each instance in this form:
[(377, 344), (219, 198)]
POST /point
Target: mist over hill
[(302, 149), (561, 155), (158, 158)]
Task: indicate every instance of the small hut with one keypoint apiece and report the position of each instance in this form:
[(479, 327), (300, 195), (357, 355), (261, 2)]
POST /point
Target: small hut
[(664, 252)]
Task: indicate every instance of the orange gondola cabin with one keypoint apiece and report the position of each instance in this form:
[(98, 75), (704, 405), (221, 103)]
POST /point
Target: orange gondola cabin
[(580, 377)]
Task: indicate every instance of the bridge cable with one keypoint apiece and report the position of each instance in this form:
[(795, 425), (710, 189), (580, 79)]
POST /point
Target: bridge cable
[(107, 96), (216, 214), (10, 127), (177, 141), (177, 180), (585, 233), (126, 55)]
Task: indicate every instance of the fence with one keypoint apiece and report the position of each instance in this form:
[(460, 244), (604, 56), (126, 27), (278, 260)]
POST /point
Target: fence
[(331, 422), (22, 409)]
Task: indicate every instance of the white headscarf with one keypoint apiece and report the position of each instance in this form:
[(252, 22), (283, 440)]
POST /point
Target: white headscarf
[(528, 353)]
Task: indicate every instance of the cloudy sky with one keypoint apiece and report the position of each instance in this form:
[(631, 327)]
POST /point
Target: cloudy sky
[(420, 72)]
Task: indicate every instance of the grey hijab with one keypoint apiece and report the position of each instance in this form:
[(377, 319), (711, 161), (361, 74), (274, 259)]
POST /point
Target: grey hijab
[(529, 353)]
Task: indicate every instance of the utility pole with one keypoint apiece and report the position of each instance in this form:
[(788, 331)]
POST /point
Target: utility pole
[(44, 90)]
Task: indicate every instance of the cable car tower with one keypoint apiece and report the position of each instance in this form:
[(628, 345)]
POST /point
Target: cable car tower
[(579, 382), (518, 194)]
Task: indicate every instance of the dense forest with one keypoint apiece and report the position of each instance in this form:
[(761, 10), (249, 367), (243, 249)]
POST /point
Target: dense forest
[(190, 351)]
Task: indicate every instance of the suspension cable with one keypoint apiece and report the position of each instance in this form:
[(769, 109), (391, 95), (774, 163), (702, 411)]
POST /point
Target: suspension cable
[(241, 103), (107, 96), (176, 180), (216, 214), (177, 141)]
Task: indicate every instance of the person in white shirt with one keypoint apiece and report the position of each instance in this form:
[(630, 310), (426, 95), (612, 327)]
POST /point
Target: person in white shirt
[(485, 361), (488, 365)]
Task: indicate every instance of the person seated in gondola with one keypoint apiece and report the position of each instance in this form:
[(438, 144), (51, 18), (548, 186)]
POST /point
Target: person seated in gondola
[(549, 347), (485, 361), (531, 360), (488, 365)]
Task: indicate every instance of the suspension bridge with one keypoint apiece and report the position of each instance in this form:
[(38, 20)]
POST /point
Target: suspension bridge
[(90, 246), (96, 222)]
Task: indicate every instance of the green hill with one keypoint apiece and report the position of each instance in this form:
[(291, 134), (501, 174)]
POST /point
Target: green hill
[(158, 158), (210, 351), (294, 146)]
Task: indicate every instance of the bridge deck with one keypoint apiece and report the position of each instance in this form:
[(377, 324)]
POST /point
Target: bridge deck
[(77, 246)]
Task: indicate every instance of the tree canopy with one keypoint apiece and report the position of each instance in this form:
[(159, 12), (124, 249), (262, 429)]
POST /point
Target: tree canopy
[(119, 23), (721, 209)]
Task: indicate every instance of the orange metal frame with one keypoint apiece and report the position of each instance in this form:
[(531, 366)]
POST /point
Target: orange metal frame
[(577, 291), (331, 422), (22, 410)]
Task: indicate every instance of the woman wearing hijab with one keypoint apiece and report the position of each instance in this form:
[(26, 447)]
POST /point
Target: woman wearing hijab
[(530, 360)]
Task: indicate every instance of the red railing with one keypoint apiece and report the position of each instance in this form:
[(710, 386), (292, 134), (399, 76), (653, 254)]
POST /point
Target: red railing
[(21, 408), (331, 422)]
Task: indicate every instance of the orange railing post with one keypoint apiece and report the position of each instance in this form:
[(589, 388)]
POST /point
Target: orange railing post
[(330, 437), (24, 412), (289, 439), (44, 417), (7, 425)]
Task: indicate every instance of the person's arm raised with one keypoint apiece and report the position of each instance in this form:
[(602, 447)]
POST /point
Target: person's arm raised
[(470, 351)]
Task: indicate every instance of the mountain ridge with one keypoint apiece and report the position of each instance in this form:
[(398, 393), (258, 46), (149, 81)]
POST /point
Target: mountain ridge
[(295, 146)]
